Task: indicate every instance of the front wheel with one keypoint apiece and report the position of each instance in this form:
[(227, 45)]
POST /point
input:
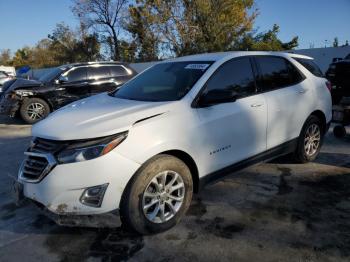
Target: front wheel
[(157, 196), (33, 110), (310, 140)]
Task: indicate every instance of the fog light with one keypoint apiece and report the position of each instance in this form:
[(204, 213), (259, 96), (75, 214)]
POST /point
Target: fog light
[(93, 196)]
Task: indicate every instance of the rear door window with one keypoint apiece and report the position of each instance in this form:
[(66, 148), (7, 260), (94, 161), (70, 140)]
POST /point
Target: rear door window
[(276, 72), (311, 66), (117, 70), (98, 72), (235, 75)]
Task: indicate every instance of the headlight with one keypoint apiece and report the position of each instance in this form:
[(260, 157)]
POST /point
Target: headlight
[(87, 150)]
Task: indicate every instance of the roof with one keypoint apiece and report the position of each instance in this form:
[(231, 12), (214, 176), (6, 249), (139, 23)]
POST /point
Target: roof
[(92, 63), (232, 54)]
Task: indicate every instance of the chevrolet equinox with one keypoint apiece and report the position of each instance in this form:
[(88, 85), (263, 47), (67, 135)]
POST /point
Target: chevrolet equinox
[(143, 150)]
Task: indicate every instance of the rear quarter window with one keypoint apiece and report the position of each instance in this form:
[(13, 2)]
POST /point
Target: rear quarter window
[(311, 66), (276, 72)]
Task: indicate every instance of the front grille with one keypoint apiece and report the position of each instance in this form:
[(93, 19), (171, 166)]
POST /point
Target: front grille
[(39, 159), (42, 145), (34, 166)]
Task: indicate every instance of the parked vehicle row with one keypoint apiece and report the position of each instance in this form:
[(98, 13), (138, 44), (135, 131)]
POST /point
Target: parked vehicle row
[(33, 100), (339, 75), (144, 149)]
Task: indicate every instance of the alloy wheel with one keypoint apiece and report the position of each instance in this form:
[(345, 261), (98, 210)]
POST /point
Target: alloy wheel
[(312, 139), (35, 111), (163, 197)]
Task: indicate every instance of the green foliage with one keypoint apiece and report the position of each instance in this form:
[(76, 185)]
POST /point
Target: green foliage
[(5, 57), (144, 39), (148, 30), (61, 47), (182, 27), (267, 41)]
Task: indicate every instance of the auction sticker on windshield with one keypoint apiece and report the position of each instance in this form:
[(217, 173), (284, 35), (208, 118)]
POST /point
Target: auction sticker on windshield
[(197, 66)]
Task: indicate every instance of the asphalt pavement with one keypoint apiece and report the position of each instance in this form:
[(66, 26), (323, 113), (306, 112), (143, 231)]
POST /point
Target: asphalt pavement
[(276, 211)]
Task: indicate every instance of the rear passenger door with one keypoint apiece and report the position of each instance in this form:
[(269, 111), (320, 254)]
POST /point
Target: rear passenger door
[(120, 74), (106, 78), (234, 131), (100, 79), (287, 96)]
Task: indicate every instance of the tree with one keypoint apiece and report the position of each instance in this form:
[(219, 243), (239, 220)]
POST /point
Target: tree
[(145, 40), (185, 27), (5, 57), (267, 41), (105, 16), (69, 47), (23, 56), (336, 42)]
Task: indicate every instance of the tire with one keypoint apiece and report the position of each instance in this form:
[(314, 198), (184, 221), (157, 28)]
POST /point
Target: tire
[(339, 131), (34, 109), (135, 197), (304, 154)]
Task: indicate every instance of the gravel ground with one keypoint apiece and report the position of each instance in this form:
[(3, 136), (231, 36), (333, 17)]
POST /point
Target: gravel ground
[(270, 212)]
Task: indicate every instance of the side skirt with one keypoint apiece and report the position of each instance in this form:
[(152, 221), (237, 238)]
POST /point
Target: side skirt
[(266, 156)]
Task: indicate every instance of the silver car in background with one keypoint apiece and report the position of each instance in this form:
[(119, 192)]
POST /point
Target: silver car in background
[(3, 78)]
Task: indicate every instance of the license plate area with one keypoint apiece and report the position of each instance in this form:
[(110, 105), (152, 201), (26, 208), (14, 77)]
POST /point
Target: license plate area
[(338, 115)]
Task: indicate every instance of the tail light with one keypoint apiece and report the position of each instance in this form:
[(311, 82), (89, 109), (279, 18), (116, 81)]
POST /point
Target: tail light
[(329, 86)]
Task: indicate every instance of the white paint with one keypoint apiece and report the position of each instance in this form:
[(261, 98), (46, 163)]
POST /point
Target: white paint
[(234, 131)]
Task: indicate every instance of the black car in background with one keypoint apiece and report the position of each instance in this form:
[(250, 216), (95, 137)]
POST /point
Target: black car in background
[(338, 74), (35, 99)]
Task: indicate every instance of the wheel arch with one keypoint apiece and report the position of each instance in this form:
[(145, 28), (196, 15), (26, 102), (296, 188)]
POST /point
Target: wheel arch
[(41, 97), (191, 164), (320, 115)]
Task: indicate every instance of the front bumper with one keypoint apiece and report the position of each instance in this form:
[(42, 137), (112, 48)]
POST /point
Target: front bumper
[(60, 191), (106, 220), (8, 106)]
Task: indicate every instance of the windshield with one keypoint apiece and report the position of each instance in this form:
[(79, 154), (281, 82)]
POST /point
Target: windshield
[(49, 76), (164, 82)]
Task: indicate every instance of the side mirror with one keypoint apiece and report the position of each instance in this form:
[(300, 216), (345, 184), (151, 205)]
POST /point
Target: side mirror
[(217, 96)]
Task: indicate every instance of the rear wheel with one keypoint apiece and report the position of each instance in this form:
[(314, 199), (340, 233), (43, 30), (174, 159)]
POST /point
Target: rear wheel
[(158, 195), (310, 140), (33, 110)]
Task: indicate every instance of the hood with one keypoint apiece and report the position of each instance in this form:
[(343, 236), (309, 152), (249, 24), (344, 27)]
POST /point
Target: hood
[(96, 116), (22, 83)]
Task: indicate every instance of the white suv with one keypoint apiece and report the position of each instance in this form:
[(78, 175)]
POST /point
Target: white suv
[(145, 148)]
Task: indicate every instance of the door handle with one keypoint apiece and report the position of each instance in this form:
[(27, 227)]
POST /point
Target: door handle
[(256, 105), (302, 91), (61, 89)]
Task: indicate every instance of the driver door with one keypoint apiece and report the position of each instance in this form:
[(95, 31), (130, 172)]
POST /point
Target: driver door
[(233, 131), (74, 85)]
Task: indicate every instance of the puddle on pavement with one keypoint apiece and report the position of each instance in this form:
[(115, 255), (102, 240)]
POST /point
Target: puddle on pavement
[(79, 244), (283, 187)]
